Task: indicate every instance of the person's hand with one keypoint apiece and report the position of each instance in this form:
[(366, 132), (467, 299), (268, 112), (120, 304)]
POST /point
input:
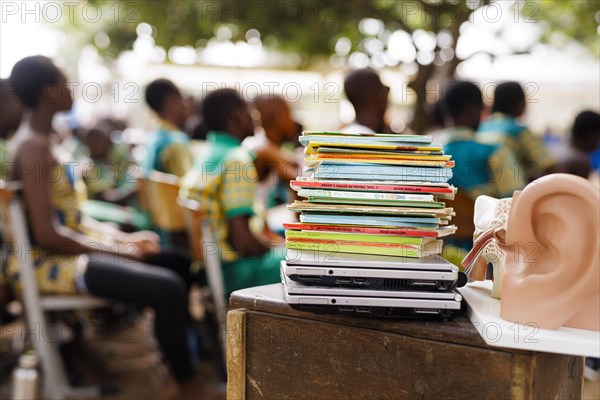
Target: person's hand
[(143, 236), (124, 252), (272, 238), (268, 153), (148, 247), (145, 243)]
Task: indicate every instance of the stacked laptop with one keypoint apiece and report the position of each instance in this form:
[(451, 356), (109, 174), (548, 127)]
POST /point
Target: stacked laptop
[(372, 215)]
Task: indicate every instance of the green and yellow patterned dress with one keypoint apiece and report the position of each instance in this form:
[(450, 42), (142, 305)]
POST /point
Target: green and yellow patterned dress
[(56, 273)]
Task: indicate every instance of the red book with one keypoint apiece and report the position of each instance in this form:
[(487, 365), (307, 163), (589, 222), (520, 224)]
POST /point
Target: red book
[(350, 243), (370, 187)]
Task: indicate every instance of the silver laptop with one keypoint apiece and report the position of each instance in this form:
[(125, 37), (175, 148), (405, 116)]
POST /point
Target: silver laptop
[(372, 278), (295, 288), (387, 307)]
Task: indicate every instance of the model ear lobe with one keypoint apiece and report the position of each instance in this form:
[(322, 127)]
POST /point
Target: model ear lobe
[(552, 253)]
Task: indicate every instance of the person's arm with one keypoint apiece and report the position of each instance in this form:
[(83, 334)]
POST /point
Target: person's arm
[(119, 196), (243, 240), (48, 232), (271, 156), (238, 192)]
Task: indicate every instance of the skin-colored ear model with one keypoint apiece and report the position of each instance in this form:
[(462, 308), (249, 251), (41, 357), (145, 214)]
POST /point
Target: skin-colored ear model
[(552, 245)]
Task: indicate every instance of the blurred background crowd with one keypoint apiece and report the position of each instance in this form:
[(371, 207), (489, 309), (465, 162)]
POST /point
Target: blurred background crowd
[(510, 88)]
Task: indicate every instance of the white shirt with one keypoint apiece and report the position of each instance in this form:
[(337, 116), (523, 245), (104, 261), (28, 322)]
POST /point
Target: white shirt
[(357, 128)]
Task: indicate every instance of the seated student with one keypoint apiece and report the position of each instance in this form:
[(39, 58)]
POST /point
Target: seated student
[(67, 260), (168, 149), (11, 111), (481, 169), (585, 137), (369, 97), (276, 165), (579, 154), (109, 174), (225, 181), (109, 169), (503, 127)]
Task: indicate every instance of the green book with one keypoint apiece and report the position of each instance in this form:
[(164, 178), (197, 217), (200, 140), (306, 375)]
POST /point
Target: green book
[(415, 252), (358, 237)]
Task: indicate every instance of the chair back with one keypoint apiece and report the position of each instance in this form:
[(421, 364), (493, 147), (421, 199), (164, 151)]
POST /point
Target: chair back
[(14, 226), (163, 191), (204, 249), (143, 193), (192, 217)]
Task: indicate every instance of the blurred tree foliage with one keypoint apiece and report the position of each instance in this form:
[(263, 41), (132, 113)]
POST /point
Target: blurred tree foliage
[(566, 20), (312, 28)]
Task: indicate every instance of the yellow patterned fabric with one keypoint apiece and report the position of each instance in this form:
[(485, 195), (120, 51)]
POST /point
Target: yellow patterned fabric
[(56, 273), (529, 149), (507, 178), (168, 151), (481, 169), (177, 159), (224, 182)]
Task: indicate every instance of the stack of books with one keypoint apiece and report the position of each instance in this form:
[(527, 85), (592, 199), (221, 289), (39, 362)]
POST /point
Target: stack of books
[(372, 213)]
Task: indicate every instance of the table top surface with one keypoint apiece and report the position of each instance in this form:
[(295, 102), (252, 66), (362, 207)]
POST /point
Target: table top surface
[(270, 299)]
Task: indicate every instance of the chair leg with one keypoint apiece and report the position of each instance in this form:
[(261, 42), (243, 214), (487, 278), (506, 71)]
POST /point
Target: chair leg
[(56, 384), (56, 380)]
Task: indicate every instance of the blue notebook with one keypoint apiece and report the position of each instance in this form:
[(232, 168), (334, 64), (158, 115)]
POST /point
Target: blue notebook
[(330, 175)]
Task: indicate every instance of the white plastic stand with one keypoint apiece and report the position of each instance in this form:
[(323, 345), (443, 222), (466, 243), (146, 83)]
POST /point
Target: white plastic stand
[(484, 313)]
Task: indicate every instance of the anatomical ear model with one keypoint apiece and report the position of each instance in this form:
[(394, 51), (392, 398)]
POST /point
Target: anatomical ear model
[(552, 246), (490, 218)]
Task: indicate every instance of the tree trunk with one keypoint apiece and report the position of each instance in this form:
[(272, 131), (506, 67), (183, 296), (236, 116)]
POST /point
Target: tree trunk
[(420, 120)]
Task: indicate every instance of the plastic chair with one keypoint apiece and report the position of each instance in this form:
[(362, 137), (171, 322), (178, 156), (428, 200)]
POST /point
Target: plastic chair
[(14, 225), (204, 249), (158, 192), (162, 194)]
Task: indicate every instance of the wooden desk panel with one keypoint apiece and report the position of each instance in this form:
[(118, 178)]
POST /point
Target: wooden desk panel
[(275, 352)]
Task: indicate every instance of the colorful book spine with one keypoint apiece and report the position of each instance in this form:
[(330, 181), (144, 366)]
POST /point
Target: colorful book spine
[(370, 156), (382, 161), (312, 145), (360, 229), (371, 220), (395, 250), (365, 202), (363, 195), (357, 237), (370, 187)]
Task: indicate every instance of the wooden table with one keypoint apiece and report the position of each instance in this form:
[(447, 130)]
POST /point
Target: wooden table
[(276, 352)]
